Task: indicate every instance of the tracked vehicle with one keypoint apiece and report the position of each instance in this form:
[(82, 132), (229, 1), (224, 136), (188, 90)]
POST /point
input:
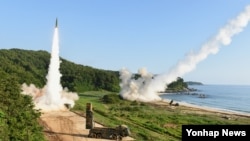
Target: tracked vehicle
[(116, 133), (110, 133)]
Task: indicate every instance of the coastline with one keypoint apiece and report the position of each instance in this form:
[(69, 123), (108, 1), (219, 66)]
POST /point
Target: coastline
[(200, 109)]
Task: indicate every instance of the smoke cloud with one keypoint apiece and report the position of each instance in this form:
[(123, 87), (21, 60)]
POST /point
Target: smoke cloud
[(136, 89), (147, 87), (52, 97)]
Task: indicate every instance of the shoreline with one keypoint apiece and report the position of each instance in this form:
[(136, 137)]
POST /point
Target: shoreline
[(165, 102)]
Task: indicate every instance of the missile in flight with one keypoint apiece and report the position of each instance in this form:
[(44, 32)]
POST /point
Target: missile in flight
[(56, 23)]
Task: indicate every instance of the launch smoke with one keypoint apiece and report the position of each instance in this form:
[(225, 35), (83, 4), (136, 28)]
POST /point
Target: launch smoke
[(147, 87), (52, 96)]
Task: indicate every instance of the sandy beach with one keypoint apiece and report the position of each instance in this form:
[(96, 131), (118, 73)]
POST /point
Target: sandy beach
[(187, 107)]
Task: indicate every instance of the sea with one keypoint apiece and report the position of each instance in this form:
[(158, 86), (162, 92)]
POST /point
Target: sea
[(235, 98)]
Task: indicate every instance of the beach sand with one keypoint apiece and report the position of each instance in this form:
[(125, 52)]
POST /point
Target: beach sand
[(191, 108)]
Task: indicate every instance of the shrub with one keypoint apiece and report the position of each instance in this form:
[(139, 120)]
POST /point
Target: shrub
[(111, 98)]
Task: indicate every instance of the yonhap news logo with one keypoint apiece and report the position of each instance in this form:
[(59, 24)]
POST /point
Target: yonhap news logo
[(215, 132)]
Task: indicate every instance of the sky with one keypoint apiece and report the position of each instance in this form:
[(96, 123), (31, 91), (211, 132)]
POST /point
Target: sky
[(132, 34)]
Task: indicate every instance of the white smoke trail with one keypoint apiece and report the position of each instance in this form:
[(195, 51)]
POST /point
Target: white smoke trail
[(131, 88), (52, 97), (53, 78)]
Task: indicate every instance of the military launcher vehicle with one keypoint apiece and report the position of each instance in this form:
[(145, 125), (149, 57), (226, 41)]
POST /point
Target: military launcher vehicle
[(109, 133)]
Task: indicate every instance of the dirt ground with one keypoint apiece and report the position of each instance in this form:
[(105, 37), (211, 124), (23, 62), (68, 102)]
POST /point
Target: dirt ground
[(67, 126)]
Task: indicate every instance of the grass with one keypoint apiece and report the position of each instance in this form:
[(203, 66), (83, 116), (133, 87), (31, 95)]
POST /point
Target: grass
[(147, 121)]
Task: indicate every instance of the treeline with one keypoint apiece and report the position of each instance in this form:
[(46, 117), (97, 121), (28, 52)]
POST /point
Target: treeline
[(32, 66)]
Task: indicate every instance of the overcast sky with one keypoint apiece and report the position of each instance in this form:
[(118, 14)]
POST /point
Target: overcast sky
[(112, 34)]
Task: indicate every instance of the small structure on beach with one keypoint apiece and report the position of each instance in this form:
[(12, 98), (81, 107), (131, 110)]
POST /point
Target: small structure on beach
[(171, 103)]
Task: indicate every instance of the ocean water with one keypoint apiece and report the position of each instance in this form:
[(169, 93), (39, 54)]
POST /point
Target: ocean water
[(225, 97)]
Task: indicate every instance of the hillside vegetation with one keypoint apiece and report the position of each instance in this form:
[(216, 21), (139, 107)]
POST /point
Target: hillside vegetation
[(32, 66), (18, 119)]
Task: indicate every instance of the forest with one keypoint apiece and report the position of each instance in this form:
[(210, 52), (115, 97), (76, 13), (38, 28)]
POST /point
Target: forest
[(31, 67)]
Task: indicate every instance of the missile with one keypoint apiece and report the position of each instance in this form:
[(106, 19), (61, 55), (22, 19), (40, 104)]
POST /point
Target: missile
[(56, 22)]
